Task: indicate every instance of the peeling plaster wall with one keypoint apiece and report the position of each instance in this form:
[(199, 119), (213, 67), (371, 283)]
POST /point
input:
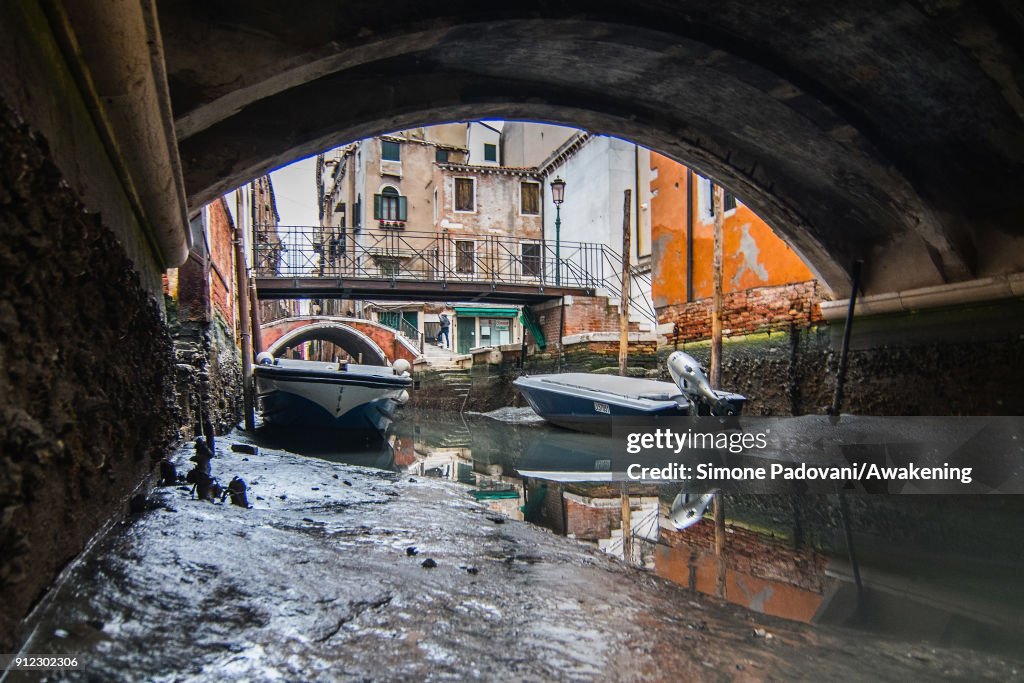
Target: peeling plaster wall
[(753, 256)]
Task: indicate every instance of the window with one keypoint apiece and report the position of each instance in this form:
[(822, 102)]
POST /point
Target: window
[(390, 150), (388, 266), (465, 194), (529, 198), (728, 201), (441, 156), (465, 256), (490, 152), (357, 213), (390, 206), (531, 260)]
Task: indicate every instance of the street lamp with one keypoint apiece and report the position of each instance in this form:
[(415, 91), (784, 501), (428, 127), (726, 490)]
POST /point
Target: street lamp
[(558, 196)]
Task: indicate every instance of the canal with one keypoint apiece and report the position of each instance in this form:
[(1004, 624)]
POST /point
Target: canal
[(436, 553)]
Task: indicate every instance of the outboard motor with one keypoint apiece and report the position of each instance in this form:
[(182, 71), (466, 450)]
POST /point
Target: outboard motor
[(687, 375)]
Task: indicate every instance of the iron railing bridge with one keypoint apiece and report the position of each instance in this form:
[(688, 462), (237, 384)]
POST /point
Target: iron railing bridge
[(305, 262)]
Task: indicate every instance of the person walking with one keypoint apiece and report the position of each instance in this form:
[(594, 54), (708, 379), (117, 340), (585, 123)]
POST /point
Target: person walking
[(442, 334)]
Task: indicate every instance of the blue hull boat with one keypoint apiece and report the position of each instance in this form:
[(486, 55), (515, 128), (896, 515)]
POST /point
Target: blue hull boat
[(588, 401)]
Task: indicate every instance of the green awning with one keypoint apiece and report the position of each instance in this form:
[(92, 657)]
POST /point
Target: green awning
[(486, 312), (495, 494)]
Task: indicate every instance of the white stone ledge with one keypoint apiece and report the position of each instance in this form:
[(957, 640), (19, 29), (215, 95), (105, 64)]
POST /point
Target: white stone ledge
[(607, 337)]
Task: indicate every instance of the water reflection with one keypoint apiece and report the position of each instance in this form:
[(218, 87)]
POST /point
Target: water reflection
[(783, 555)]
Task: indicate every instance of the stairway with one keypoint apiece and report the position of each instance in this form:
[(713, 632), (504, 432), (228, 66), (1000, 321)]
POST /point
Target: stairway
[(437, 358), (457, 383)]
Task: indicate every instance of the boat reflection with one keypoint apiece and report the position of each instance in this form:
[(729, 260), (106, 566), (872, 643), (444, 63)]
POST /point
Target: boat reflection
[(783, 554)]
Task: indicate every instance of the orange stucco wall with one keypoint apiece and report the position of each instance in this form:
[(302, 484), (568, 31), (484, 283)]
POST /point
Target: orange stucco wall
[(753, 255)]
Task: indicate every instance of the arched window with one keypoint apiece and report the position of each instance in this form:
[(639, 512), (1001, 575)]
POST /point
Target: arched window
[(390, 206)]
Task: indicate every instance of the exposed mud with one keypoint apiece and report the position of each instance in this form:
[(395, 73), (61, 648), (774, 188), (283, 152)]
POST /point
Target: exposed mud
[(327, 577)]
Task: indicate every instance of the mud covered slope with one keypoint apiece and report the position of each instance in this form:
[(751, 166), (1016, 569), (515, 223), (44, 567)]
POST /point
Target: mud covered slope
[(317, 582)]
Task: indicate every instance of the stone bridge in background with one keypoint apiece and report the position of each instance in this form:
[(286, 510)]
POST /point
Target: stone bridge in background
[(377, 344)]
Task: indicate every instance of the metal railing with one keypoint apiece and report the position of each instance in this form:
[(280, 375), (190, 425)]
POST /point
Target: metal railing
[(400, 254), (446, 256)]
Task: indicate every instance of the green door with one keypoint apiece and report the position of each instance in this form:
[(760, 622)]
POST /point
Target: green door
[(466, 334)]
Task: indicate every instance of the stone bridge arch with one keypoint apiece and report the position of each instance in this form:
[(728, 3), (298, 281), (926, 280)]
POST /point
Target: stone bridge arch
[(891, 132), (378, 344)]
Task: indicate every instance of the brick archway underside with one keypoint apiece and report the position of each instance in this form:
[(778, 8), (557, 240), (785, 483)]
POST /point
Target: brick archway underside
[(890, 131), (353, 342)]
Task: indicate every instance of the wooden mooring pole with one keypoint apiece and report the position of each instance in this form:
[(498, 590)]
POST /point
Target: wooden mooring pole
[(719, 506), (716, 278), (624, 301), (627, 526), (242, 297)]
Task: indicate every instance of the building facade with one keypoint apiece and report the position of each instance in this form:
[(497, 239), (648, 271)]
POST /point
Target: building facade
[(432, 203), (766, 284)]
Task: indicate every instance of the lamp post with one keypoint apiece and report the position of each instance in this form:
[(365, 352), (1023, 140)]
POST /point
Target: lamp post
[(558, 196)]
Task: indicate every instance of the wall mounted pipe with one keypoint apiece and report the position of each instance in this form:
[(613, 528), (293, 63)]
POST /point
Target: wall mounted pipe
[(971, 291), (114, 49)]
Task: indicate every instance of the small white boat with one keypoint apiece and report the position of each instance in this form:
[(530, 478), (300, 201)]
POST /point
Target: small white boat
[(302, 393)]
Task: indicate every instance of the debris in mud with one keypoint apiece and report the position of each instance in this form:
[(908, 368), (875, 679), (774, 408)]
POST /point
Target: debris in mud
[(496, 519), (428, 563), (472, 570), (245, 448), (237, 489), (168, 473), (411, 550)]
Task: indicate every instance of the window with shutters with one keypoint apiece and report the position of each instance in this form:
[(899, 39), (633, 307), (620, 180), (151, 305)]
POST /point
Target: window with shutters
[(465, 256), (706, 199), (441, 156), (390, 208), (465, 194), (529, 198), (531, 260), (390, 150)]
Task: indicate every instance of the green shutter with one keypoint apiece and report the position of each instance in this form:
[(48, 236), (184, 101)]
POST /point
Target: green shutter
[(402, 208), (377, 211)]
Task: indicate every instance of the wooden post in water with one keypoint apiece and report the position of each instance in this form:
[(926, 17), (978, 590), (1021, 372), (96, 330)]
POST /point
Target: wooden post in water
[(716, 278), (241, 296), (624, 301), (627, 525), (257, 332), (719, 505)]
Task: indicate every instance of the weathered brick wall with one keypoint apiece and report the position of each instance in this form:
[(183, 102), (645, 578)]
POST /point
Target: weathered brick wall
[(582, 314), (752, 310), (591, 522), (222, 261), (755, 554)]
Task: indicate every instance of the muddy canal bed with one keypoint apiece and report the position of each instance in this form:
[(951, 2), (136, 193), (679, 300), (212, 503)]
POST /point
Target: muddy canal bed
[(341, 572)]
